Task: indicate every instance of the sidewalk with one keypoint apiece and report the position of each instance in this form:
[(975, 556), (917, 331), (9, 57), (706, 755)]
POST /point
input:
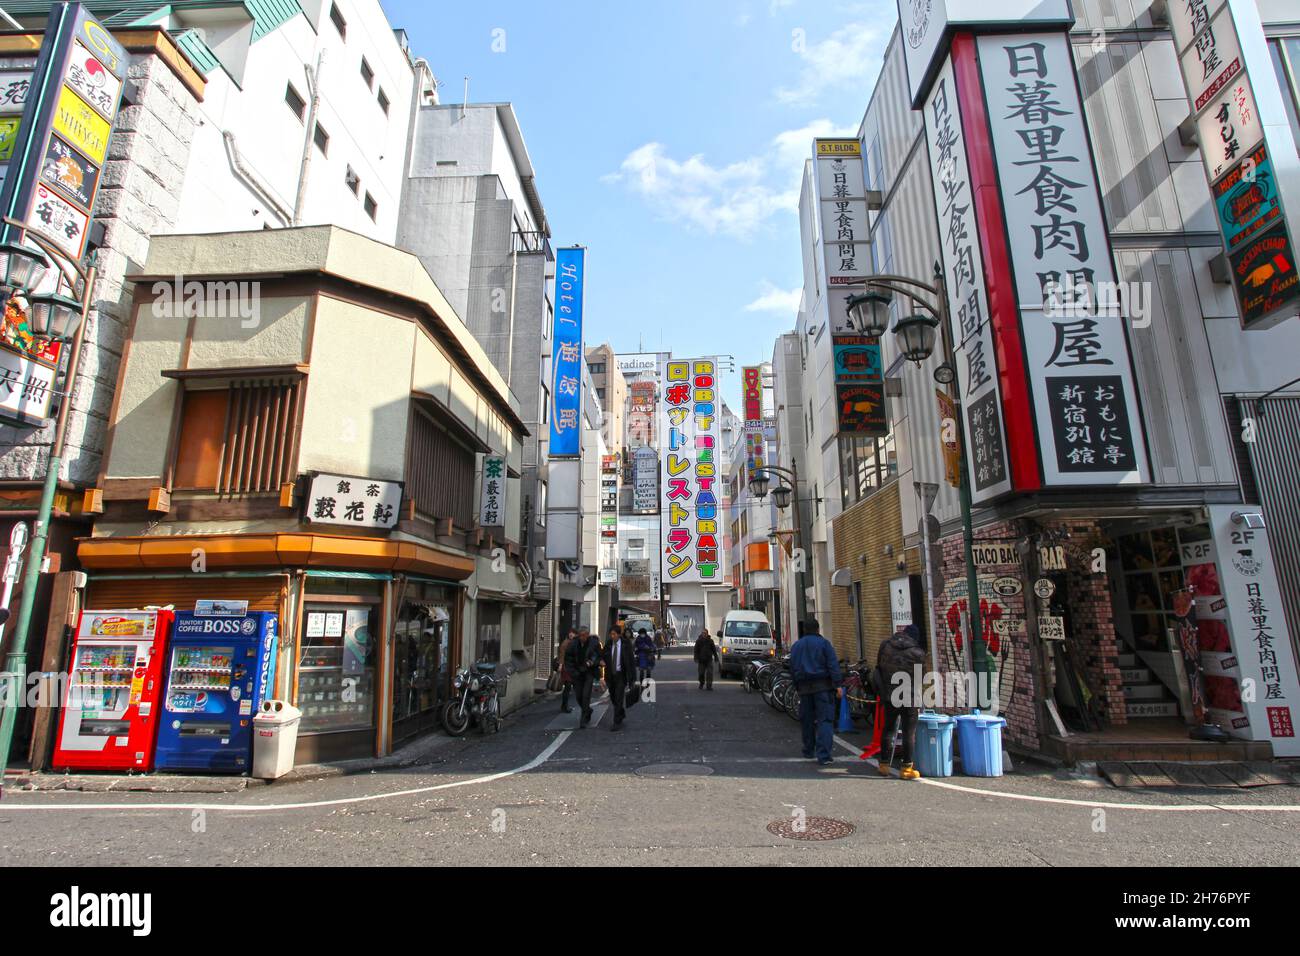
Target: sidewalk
[(428, 749)]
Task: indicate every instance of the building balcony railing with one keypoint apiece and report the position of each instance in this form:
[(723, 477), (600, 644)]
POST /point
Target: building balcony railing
[(531, 242)]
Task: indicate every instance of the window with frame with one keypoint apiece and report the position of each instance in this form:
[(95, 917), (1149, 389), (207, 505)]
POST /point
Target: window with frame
[(367, 74), (336, 17), (295, 101), (383, 101), (371, 207), (239, 438), (352, 180), (321, 139), (439, 470)]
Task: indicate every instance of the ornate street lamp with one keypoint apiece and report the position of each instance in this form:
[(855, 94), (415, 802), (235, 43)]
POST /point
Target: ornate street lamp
[(916, 336), (758, 485), (781, 496), (21, 267), (53, 316), (869, 313)]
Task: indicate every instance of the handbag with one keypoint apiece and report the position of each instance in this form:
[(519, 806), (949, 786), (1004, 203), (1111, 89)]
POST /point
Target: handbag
[(553, 682), (632, 696)]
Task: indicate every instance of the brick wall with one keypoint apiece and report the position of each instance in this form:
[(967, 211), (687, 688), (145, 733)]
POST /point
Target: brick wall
[(1091, 634), (862, 532)]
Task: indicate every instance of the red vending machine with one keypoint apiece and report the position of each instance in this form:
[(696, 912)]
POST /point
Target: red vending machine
[(111, 705)]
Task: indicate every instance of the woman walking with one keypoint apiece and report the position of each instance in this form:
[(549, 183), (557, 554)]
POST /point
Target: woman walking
[(645, 655)]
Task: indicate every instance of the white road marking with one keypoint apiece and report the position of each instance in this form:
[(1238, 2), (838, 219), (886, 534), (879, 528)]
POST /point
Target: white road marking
[(536, 762), (1063, 801)]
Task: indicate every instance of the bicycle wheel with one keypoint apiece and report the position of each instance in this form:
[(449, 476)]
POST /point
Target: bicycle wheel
[(791, 702), (776, 696)]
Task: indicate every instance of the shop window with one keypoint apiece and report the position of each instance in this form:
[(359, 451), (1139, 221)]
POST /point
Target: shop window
[(421, 654), (236, 439), (336, 667), (439, 471)]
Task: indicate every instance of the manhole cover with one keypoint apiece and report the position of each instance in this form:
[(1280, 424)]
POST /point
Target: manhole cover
[(810, 828), (665, 770)]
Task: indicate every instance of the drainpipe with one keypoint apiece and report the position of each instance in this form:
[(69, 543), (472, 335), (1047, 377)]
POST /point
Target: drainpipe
[(313, 87), (254, 181)]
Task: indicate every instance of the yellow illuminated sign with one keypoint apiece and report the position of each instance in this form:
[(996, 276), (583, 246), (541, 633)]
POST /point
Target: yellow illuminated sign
[(8, 135), (839, 147), (81, 126)]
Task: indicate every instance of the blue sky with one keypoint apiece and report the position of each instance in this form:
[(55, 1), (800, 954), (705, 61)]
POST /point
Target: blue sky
[(668, 138)]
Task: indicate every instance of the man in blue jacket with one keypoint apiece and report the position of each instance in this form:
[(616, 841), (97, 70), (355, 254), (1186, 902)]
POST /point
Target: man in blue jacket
[(816, 673)]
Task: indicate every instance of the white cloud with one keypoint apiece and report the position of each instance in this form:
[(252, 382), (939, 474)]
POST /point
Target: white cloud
[(735, 199), (776, 5), (848, 59), (774, 299)]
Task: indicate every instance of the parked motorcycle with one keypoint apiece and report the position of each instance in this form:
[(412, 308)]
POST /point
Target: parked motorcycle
[(475, 700)]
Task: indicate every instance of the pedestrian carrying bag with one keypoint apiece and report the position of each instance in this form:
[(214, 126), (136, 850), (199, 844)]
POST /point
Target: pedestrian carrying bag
[(633, 695)]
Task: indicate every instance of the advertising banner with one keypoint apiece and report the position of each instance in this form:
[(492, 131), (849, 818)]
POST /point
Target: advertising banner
[(968, 303), (689, 425), (752, 381), (1078, 368), (566, 355), (1246, 143), (645, 480)]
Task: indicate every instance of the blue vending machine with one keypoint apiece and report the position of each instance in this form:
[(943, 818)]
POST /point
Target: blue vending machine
[(220, 666)]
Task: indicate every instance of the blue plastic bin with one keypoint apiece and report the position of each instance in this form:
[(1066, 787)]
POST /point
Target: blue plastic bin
[(980, 740), (933, 750)]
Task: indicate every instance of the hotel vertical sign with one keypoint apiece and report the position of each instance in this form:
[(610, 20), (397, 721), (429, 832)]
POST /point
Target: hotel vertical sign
[(1248, 150), (566, 355)]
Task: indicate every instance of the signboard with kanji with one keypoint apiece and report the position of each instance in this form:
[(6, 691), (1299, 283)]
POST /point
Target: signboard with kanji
[(352, 502), (566, 355), (492, 496), (690, 484)]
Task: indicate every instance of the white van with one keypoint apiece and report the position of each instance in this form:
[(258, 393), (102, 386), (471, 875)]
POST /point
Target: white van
[(745, 636)]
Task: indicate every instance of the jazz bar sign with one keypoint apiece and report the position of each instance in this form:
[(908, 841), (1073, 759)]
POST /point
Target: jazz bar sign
[(353, 502)]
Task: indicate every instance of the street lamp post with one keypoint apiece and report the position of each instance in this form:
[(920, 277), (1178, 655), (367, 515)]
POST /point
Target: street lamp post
[(56, 317), (869, 311), (758, 484)]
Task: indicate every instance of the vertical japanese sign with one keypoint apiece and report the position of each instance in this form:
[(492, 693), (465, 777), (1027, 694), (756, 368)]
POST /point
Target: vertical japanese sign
[(1247, 147), (492, 497), (689, 426), (645, 480), (845, 232), (62, 139), (1258, 664), (1075, 345), (968, 304), (566, 355), (752, 380)]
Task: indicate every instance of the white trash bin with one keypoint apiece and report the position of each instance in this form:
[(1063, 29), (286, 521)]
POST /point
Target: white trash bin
[(275, 734)]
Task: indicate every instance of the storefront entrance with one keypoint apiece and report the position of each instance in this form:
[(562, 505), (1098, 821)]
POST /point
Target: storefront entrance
[(421, 657)]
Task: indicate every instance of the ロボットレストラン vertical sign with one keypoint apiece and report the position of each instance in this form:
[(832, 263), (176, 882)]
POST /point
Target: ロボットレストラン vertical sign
[(689, 429), (566, 355)]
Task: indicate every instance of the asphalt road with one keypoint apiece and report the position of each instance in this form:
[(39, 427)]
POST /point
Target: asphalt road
[(586, 797)]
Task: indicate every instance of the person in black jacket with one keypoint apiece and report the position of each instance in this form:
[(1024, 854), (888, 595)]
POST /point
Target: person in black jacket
[(899, 655), (706, 652), (583, 663), (620, 672)]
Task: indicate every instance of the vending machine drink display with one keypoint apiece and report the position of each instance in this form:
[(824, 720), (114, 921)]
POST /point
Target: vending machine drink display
[(219, 670), (110, 706)]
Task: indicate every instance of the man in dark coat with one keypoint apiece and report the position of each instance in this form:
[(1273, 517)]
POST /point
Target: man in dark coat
[(620, 672), (817, 677), (899, 655), (583, 662), (706, 652)]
